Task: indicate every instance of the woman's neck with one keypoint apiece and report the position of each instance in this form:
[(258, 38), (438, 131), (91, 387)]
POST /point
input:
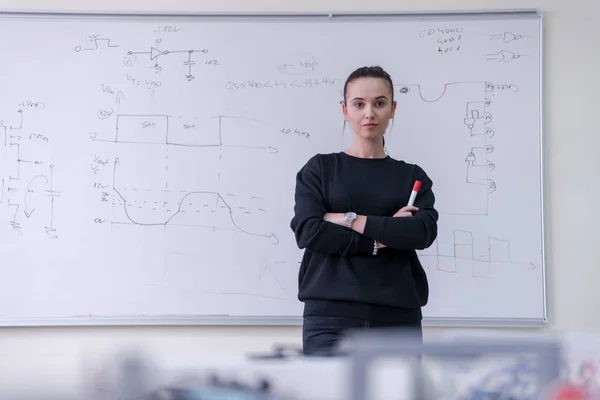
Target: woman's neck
[(366, 149)]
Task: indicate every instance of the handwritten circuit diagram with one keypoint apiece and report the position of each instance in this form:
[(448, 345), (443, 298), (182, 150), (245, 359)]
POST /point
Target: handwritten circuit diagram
[(465, 177), (171, 176), (154, 54), (464, 181), (27, 190)]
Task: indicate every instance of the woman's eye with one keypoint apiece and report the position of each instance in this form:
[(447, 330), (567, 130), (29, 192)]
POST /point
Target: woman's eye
[(357, 104), (380, 103)]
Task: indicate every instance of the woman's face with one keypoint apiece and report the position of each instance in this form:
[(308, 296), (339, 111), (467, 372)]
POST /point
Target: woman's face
[(369, 107)]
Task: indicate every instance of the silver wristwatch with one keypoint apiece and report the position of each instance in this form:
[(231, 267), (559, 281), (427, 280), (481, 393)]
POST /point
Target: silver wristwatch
[(349, 217)]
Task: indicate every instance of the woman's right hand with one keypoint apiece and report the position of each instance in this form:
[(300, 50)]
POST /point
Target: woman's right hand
[(406, 211), (403, 212)]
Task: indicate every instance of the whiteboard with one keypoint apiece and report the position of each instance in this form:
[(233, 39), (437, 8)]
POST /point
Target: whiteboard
[(147, 162)]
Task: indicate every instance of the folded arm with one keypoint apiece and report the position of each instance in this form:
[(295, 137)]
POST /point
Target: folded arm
[(314, 233), (414, 232)]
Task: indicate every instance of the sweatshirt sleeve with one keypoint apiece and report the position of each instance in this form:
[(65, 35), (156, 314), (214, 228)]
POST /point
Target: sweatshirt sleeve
[(408, 233), (311, 230)]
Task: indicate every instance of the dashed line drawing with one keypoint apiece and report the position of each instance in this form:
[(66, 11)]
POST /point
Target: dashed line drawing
[(154, 53), (465, 258), (52, 194), (504, 56), (507, 37), (472, 100), (203, 209)]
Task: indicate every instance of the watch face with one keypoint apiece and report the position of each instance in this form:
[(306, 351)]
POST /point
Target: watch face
[(351, 215)]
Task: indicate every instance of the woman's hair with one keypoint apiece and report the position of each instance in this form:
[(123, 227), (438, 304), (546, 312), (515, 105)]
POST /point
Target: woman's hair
[(369, 72)]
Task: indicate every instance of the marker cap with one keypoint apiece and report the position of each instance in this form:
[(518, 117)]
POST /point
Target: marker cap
[(417, 186)]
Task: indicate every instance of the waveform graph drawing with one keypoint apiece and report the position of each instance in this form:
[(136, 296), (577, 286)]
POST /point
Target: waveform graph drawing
[(219, 131), (161, 180), (467, 256), (139, 184), (151, 205)]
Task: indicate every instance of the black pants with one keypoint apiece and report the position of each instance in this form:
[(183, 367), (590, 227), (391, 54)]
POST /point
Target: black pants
[(322, 334)]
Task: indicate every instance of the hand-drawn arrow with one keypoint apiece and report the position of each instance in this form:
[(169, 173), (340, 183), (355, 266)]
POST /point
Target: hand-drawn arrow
[(29, 190), (274, 237), (120, 97)]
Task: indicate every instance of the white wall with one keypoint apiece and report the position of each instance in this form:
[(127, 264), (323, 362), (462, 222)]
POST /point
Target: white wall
[(572, 174)]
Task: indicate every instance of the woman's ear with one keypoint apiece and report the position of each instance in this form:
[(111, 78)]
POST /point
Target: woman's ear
[(345, 111), (394, 104)]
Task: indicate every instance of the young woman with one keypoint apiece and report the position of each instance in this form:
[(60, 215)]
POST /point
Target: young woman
[(360, 268)]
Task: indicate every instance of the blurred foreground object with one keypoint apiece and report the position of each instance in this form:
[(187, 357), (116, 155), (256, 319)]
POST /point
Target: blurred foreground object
[(570, 392), (373, 365), (538, 367)]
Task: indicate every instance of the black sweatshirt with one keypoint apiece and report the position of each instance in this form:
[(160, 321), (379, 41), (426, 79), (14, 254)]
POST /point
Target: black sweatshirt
[(339, 276)]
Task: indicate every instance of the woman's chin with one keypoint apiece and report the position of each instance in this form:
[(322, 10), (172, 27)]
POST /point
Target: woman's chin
[(370, 134)]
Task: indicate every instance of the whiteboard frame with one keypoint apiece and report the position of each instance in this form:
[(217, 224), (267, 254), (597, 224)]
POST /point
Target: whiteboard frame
[(493, 13), (226, 320)]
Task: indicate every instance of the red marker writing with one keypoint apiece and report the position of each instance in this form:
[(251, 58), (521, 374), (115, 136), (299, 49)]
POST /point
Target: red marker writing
[(413, 193)]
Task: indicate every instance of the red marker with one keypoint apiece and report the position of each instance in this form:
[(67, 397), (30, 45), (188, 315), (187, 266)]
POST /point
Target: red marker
[(413, 194)]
